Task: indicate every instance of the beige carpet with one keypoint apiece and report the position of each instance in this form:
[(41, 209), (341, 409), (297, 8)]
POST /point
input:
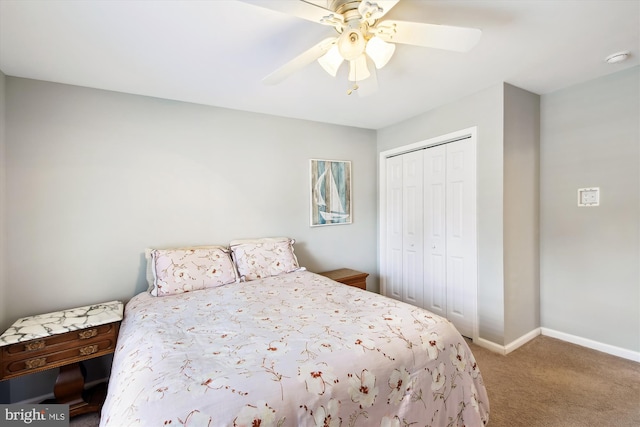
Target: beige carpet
[(551, 383), (548, 383)]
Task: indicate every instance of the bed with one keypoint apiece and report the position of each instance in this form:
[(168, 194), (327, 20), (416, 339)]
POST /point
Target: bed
[(288, 349)]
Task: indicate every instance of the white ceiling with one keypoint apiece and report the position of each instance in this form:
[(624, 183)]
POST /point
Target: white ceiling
[(216, 52)]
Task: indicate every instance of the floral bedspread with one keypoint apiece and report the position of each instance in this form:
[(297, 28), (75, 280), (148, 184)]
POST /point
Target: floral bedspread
[(291, 350)]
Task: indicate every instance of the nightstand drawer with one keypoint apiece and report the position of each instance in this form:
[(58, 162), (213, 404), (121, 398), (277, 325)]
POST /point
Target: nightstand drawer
[(56, 359), (54, 342), (58, 350)]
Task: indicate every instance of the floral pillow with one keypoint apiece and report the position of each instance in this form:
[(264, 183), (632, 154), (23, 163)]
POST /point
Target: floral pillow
[(176, 271), (266, 257)]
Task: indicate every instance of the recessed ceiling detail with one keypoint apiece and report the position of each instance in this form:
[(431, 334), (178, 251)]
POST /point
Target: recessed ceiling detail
[(617, 57)]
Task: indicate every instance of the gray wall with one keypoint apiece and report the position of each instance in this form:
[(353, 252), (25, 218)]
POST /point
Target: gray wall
[(484, 110), (3, 240), (4, 386), (521, 212), (94, 177), (590, 280), (588, 269)]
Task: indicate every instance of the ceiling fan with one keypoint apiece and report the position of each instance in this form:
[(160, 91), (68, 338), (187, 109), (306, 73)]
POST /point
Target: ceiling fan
[(364, 40)]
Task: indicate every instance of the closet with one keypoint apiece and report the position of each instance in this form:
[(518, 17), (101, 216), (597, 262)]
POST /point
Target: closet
[(429, 257)]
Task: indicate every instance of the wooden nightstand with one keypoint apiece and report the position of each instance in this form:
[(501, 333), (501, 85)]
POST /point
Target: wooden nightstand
[(348, 277), (62, 339)]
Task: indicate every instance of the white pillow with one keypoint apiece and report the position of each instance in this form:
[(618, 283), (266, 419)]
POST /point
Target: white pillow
[(179, 270), (266, 257)]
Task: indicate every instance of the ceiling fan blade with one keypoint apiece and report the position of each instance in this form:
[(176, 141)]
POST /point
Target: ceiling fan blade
[(387, 5), (458, 39), (300, 61), (301, 9)]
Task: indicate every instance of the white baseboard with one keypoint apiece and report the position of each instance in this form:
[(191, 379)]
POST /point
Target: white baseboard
[(36, 400), (519, 342), (594, 345), (491, 346), (506, 349), (584, 342)]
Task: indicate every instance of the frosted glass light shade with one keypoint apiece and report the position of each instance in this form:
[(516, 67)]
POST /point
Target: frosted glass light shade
[(358, 69), (331, 60), (351, 44), (380, 51)]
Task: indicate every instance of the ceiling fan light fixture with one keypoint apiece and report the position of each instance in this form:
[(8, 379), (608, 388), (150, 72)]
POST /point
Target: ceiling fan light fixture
[(364, 39), (331, 61), (358, 69), (380, 51), (351, 44)]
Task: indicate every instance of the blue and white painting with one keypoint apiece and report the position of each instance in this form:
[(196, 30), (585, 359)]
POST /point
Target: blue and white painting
[(330, 192)]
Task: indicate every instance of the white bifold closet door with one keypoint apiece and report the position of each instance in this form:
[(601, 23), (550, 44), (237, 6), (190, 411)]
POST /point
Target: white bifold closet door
[(394, 211), (405, 228), (412, 229), (450, 242), (431, 252)]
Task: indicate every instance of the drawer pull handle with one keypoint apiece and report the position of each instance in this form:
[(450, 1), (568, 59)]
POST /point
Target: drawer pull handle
[(36, 345), (90, 349), (36, 363), (84, 335)]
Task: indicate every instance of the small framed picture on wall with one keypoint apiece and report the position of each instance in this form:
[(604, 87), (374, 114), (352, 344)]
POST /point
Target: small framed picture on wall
[(330, 192)]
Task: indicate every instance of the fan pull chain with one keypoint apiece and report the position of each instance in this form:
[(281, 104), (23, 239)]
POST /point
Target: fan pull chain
[(355, 82)]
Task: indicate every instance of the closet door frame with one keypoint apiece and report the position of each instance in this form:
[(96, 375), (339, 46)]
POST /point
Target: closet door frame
[(384, 272)]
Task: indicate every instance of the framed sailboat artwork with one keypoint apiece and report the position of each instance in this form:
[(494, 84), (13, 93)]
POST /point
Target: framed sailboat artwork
[(330, 192)]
